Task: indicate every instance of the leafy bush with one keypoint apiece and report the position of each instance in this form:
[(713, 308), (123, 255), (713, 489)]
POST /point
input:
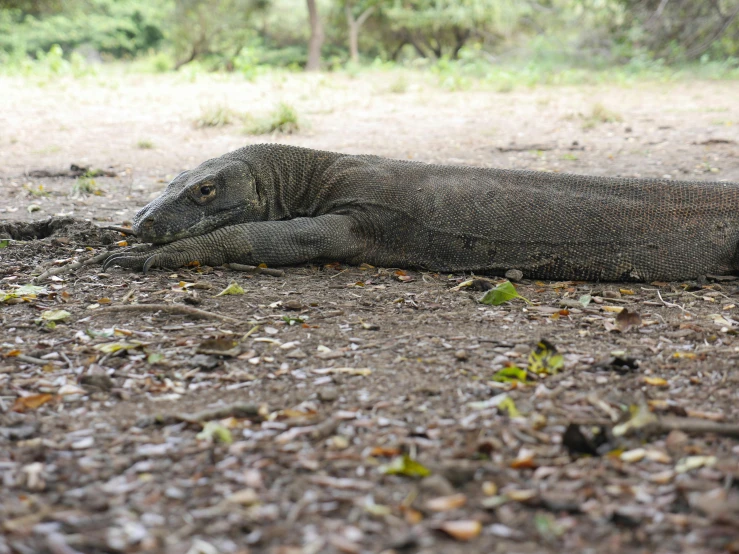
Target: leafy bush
[(118, 28)]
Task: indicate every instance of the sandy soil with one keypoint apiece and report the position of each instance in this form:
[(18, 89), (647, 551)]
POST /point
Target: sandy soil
[(339, 372)]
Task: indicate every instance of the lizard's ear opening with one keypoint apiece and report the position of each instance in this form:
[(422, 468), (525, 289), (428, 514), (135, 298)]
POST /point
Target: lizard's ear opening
[(204, 191)]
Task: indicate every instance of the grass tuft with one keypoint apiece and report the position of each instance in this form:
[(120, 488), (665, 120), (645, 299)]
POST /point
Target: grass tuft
[(600, 114), (218, 115), (283, 120), (84, 185), (399, 85)]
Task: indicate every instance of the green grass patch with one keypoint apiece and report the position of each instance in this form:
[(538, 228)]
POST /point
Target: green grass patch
[(600, 114), (145, 144), (399, 85), (217, 115), (284, 120), (85, 185), (37, 191)]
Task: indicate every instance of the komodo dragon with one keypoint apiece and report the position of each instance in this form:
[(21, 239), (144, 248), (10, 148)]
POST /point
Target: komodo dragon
[(283, 205)]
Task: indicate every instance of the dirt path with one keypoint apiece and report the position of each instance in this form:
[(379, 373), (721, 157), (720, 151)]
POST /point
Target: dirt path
[(347, 377)]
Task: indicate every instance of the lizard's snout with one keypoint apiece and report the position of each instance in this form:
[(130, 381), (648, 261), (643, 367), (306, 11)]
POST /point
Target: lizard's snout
[(145, 228)]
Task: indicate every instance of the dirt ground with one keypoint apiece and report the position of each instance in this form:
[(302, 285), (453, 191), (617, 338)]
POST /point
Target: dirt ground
[(353, 409)]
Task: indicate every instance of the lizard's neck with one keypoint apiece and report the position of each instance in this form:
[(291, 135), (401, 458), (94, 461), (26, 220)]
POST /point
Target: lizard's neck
[(289, 178)]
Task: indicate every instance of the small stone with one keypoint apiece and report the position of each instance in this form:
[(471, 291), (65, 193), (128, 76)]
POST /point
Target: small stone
[(245, 497), (461, 355), (99, 382), (84, 443), (611, 294), (204, 362), (297, 354), (514, 275), (292, 305), (174, 493), (436, 485), (633, 456), (328, 394)]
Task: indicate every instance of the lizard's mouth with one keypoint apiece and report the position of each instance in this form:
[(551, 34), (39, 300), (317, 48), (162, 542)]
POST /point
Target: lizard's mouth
[(158, 233)]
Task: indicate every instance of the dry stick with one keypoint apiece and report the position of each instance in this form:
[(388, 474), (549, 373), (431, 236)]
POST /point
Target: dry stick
[(696, 425), (71, 267), (237, 409), (124, 230), (170, 309), (256, 269), (37, 361), (665, 424), (672, 305)]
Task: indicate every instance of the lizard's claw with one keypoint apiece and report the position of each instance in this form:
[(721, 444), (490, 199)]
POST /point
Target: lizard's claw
[(177, 254)]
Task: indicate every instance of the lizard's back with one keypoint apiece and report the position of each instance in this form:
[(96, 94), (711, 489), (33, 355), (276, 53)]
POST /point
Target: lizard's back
[(548, 225)]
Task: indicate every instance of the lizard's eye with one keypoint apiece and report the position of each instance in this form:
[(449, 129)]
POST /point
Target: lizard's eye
[(204, 192)]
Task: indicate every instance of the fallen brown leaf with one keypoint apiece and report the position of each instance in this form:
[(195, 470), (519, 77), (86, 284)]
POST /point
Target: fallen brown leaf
[(23, 403)]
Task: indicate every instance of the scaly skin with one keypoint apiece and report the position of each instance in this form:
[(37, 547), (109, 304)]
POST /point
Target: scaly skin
[(284, 205)]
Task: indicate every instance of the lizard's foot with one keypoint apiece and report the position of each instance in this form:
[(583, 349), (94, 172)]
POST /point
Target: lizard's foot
[(177, 254)]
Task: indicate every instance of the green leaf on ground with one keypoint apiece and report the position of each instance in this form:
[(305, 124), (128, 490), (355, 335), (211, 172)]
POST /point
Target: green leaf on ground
[(293, 320), (585, 300), (504, 292), (405, 465), (510, 374), (4, 243), (232, 288), (112, 347), (216, 432), (544, 358), (55, 315), (641, 417), (509, 406), (26, 292)]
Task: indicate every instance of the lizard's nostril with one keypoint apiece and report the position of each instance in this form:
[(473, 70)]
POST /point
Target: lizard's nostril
[(148, 223)]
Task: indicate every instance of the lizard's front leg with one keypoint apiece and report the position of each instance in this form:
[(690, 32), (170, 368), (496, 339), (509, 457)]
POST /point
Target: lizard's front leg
[(270, 242)]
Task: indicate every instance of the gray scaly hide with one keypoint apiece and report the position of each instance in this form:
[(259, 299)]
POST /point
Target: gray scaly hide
[(283, 205)]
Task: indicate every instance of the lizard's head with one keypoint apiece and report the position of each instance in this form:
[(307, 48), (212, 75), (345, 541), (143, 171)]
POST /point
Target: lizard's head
[(218, 192)]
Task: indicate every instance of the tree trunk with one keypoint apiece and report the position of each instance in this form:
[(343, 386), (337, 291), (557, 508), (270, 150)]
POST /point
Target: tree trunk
[(354, 26), (316, 38), (461, 36)]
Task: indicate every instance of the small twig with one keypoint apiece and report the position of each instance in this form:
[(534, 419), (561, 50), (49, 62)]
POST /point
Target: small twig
[(250, 332), (237, 409), (71, 267), (128, 295), (340, 272), (37, 361), (672, 305), (256, 269), (664, 424), (124, 230), (696, 425), (170, 309), (66, 359)]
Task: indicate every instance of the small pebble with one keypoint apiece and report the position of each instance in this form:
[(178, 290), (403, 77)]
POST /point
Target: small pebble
[(514, 275), (461, 354), (328, 394)]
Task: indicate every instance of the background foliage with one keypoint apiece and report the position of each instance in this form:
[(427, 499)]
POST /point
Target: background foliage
[(243, 35)]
